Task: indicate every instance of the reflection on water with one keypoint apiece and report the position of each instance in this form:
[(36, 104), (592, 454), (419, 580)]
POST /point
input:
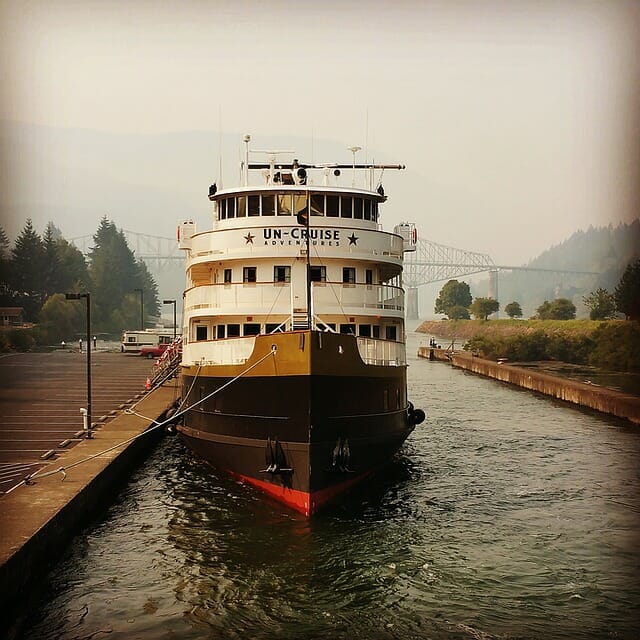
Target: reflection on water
[(506, 516), (617, 380)]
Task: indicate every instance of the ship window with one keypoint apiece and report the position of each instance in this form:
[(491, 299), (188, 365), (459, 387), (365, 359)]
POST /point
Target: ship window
[(331, 325), (231, 207), (221, 331), (376, 331), (227, 276), (201, 332), (348, 329), (346, 207), (332, 206), (222, 209), (349, 275), (250, 329), (268, 205), (367, 209), (357, 208), (284, 204), (254, 205), (317, 204), (282, 274), (249, 274), (242, 207), (368, 276), (391, 332), (374, 211), (270, 327), (318, 274), (233, 330), (365, 330)]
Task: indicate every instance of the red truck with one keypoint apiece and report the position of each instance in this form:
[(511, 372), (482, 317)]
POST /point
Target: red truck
[(153, 351)]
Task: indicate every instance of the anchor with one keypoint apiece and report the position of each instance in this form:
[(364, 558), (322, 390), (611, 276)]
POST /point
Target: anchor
[(341, 456), (275, 458)]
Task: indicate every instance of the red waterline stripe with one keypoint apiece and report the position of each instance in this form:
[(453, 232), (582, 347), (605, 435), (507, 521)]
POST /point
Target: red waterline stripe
[(305, 503)]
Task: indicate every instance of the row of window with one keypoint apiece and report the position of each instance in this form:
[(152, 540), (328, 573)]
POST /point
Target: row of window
[(288, 204), (283, 274), (221, 331)]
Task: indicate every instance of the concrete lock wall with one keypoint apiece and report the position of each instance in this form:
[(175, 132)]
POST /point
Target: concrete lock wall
[(608, 401)]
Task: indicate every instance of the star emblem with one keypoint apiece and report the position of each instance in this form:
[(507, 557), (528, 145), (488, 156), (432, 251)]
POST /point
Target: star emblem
[(249, 238), (353, 239)]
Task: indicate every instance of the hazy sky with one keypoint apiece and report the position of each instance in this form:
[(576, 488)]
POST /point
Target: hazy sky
[(518, 121)]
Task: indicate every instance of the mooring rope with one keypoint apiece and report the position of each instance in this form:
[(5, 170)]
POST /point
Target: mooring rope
[(180, 412), (131, 410)]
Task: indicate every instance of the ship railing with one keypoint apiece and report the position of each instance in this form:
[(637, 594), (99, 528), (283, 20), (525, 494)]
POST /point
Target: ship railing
[(337, 296), (382, 352), (274, 296), (215, 352)]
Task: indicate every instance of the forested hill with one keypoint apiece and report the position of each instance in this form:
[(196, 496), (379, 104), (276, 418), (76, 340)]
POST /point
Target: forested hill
[(604, 250)]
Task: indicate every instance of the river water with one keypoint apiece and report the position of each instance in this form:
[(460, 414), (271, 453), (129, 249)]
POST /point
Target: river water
[(507, 515)]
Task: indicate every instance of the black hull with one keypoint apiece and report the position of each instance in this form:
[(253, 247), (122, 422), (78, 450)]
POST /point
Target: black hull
[(302, 438)]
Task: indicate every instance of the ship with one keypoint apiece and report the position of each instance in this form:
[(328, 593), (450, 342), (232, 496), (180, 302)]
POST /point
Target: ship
[(294, 371)]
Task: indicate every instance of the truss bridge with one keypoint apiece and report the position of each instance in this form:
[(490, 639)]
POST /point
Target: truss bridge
[(431, 262), (158, 252)]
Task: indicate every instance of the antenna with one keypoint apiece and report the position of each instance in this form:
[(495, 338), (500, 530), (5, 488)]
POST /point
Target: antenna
[(354, 150), (220, 157), (246, 139)]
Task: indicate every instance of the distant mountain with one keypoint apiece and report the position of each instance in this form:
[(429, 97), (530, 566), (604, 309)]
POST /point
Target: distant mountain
[(143, 182), (605, 251)]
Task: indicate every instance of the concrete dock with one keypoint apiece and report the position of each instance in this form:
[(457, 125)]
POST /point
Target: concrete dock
[(615, 403), (40, 399), (38, 519)]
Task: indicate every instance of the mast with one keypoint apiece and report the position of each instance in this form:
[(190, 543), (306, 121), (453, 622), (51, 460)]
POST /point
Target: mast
[(304, 218)]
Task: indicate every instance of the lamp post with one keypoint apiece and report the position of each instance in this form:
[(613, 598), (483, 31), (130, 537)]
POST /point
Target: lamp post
[(87, 415), (141, 308), (173, 302)]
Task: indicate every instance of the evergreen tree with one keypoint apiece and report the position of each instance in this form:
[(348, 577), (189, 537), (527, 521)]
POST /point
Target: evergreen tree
[(4, 245), (74, 275), (4, 263), (627, 293), (115, 275), (148, 284), (26, 270), (113, 271), (51, 277)]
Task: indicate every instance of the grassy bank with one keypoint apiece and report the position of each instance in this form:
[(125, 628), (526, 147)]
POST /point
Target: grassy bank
[(610, 344), (466, 329)]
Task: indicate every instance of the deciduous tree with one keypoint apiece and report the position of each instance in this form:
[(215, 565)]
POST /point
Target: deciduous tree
[(559, 309), (513, 310), (601, 303), (482, 308), (453, 294)]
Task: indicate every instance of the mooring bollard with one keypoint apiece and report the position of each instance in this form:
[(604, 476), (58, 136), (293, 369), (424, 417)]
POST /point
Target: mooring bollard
[(85, 423)]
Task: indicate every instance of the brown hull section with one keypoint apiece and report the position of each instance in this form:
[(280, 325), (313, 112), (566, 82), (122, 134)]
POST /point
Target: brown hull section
[(302, 437)]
